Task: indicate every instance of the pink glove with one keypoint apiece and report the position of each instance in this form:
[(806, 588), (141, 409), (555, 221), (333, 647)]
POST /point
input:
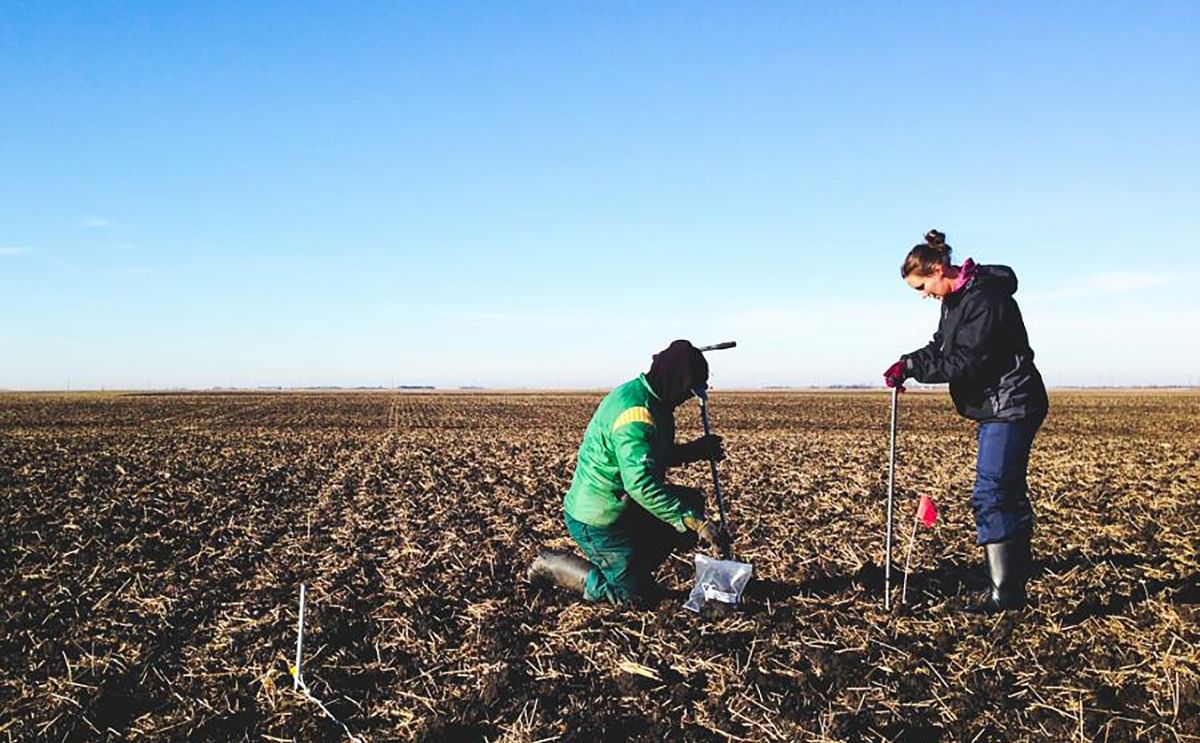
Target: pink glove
[(896, 374)]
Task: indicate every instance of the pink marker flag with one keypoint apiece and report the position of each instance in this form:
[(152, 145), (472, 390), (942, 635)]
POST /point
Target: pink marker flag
[(927, 515), (926, 511)]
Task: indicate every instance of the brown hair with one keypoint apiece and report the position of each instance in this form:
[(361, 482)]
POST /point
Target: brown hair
[(922, 258)]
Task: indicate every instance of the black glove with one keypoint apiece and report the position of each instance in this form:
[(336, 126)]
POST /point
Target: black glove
[(705, 447)]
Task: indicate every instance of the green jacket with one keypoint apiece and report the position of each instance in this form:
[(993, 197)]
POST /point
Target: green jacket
[(626, 449)]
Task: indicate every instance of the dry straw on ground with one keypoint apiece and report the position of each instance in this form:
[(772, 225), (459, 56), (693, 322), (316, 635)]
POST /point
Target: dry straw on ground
[(153, 547)]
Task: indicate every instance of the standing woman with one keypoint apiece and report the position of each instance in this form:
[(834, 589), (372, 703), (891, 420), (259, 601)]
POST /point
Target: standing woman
[(982, 350)]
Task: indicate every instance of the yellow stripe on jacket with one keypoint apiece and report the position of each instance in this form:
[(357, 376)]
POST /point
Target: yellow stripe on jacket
[(633, 415)]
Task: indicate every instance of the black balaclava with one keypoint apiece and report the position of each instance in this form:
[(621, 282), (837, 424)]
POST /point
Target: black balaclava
[(675, 370)]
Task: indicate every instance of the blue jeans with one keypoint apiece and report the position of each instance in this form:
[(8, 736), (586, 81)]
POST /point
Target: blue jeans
[(1001, 497), (625, 554)]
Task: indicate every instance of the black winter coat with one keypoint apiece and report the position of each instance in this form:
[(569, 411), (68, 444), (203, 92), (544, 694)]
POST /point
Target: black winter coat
[(982, 350)]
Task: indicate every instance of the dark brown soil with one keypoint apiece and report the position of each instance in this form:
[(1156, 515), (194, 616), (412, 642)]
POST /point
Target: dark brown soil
[(153, 547)]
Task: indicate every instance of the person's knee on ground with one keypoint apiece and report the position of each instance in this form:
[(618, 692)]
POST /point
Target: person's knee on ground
[(568, 571), (639, 593), (622, 563)]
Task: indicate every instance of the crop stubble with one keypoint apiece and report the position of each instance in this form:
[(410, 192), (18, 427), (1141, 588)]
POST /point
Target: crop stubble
[(154, 545)]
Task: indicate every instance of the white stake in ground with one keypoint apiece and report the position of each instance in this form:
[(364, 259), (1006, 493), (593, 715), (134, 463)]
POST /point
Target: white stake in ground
[(302, 687), (299, 641), (907, 559)]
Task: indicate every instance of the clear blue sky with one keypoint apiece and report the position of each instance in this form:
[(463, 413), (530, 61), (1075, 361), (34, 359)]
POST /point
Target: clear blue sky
[(543, 194)]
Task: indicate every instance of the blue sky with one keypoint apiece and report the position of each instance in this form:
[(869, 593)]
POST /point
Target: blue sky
[(544, 194)]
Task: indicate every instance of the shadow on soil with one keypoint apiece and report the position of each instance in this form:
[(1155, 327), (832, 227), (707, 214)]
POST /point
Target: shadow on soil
[(953, 579)]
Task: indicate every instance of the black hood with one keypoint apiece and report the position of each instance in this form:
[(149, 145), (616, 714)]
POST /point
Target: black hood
[(675, 370), (999, 279)]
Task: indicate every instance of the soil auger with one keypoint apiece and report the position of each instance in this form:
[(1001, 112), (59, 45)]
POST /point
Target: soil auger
[(717, 580)]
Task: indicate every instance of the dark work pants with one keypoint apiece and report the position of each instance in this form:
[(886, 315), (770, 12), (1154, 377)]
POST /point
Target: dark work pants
[(1001, 496), (626, 553)]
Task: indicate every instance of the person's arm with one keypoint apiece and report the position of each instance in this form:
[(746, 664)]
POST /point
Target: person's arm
[(676, 455), (922, 363), (702, 449), (974, 347), (633, 441)]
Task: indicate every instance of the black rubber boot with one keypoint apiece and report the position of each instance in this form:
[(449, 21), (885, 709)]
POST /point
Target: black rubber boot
[(558, 568), (1008, 564)]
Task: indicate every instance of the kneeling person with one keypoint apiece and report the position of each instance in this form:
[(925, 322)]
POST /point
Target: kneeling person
[(620, 510)]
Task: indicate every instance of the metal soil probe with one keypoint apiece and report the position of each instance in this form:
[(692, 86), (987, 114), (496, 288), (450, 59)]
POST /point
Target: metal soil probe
[(727, 552), (887, 557), (702, 394), (719, 582)]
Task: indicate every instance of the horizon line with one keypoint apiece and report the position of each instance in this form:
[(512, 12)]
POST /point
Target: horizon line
[(421, 388)]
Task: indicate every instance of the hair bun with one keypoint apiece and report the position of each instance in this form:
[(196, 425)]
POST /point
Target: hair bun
[(923, 258)]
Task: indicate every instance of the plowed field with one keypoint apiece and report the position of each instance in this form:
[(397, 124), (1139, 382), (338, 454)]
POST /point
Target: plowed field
[(152, 548)]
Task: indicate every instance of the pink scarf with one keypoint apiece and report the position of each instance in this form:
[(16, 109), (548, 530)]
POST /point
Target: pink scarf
[(965, 274)]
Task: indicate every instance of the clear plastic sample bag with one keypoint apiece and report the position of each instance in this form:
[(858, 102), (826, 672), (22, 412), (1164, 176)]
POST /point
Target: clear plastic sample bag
[(718, 580)]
